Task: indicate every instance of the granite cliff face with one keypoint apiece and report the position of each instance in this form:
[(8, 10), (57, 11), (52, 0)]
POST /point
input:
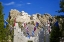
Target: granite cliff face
[(25, 17)]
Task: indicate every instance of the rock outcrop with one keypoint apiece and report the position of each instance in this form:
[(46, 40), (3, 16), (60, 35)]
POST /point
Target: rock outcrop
[(14, 13), (25, 17)]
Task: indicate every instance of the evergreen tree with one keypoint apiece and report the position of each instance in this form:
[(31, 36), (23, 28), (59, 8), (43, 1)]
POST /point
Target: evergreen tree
[(61, 6), (2, 29), (62, 30), (55, 34)]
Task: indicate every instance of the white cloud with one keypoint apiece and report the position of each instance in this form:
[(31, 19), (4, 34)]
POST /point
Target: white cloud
[(14, 4), (28, 3), (11, 3)]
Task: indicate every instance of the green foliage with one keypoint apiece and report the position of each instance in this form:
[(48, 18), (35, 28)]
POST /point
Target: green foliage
[(55, 34), (9, 16), (2, 29), (20, 25), (63, 26), (30, 41), (61, 6), (1, 8), (62, 30), (5, 35), (10, 34)]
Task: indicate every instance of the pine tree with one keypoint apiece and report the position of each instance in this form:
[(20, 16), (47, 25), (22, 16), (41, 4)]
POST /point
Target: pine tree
[(55, 34), (62, 30), (61, 6), (2, 29)]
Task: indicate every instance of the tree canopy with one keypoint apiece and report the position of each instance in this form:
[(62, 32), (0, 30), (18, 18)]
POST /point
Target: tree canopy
[(2, 29), (61, 6)]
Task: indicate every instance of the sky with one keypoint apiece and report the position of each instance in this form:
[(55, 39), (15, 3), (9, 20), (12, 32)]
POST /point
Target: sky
[(31, 6)]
